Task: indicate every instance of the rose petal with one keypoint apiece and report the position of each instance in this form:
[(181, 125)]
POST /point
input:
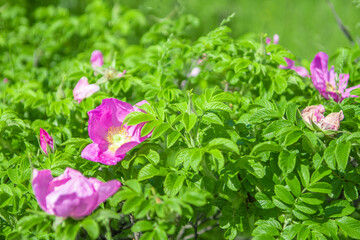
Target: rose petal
[(40, 184)]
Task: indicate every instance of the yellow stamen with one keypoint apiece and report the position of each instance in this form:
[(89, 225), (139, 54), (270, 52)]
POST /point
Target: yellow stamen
[(116, 137)]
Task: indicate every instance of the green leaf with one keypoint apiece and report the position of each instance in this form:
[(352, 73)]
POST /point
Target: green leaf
[(217, 106), (342, 152), (240, 63), (13, 175), (149, 171), (294, 184), (212, 118), (137, 117), (266, 146), (71, 231), (263, 201), (173, 184), (153, 157), (224, 97), (265, 230), (132, 205), (329, 155), (320, 187), (291, 111), (142, 226), (278, 203), (264, 114), (300, 215), (189, 121), (287, 161), (304, 174), (350, 226), (28, 222), (77, 142), (274, 127), (308, 209), (292, 137), (338, 208), (223, 143), (194, 197), (284, 195), (350, 191), (219, 158), (148, 127), (183, 158), (159, 130), (312, 198), (319, 174), (196, 157), (91, 227), (280, 84), (172, 138)]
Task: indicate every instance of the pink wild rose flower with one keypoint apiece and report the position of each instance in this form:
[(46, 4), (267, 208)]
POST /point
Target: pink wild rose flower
[(315, 115), (111, 139), (83, 89), (329, 83), (291, 65), (70, 194), (45, 141)]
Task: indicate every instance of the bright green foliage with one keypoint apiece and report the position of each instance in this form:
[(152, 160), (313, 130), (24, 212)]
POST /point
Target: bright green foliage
[(229, 153)]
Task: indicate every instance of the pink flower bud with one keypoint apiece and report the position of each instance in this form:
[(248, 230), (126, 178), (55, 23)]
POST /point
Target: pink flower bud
[(45, 140), (97, 59), (70, 194)]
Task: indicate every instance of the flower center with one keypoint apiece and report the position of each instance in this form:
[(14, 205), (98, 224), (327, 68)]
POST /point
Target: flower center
[(330, 87), (116, 137), (110, 73)]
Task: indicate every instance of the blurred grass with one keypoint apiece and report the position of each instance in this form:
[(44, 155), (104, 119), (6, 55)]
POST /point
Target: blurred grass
[(305, 26)]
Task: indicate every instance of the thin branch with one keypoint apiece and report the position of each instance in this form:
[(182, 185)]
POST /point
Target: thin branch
[(136, 234), (182, 230), (193, 236), (341, 25)]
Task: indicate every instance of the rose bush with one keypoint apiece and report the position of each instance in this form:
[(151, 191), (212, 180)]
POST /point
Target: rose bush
[(209, 137)]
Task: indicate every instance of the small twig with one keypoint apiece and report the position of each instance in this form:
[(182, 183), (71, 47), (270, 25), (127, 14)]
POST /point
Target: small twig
[(182, 230), (226, 89), (339, 22), (136, 234), (193, 236)]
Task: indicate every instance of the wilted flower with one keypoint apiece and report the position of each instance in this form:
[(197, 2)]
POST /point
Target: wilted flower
[(83, 89), (111, 138), (70, 194), (291, 65), (328, 83), (332, 121), (109, 73), (274, 41), (314, 118), (314, 113), (45, 141)]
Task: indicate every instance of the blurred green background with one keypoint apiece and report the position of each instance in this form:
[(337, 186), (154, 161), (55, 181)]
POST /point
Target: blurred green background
[(305, 26)]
